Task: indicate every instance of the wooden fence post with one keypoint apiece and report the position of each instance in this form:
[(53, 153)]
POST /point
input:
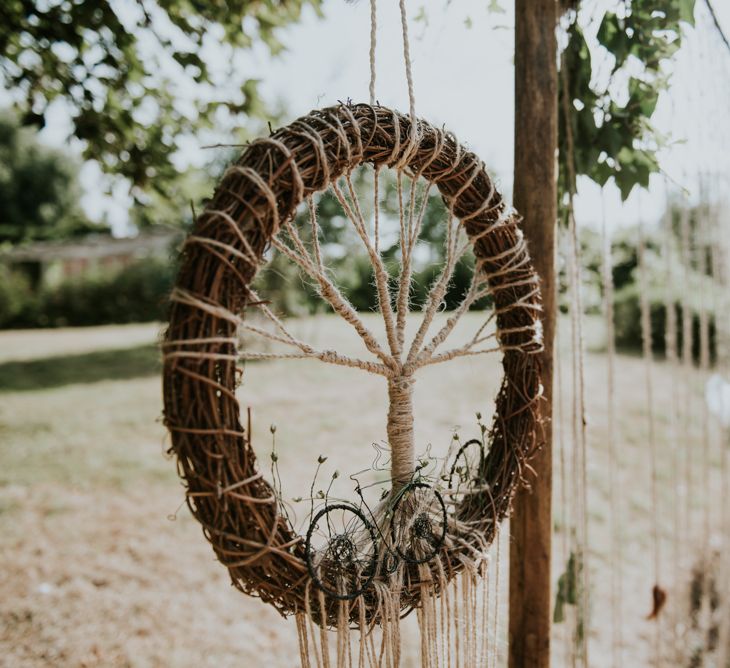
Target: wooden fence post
[(535, 197)]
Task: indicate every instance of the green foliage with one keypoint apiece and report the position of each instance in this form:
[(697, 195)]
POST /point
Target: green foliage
[(627, 322), (15, 295), (134, 74), (612, 137), (137, 293), (174, 208), (568, 587), (39, 189)]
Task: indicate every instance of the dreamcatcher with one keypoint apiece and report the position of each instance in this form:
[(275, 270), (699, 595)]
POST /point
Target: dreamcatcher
[(358, 566)]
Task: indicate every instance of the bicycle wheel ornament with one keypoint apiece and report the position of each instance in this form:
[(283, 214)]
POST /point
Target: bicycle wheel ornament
[(342, 552), (418, 524), (254, 211)]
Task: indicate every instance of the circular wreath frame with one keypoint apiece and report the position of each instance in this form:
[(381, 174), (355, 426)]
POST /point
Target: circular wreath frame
[(226, 492)]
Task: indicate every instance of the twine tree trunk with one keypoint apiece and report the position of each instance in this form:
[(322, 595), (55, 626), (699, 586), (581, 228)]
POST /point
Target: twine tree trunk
[(400, 429), (535, 195)]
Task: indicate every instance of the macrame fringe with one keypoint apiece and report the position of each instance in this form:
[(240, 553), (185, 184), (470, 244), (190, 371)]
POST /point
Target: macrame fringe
[(454, 617)]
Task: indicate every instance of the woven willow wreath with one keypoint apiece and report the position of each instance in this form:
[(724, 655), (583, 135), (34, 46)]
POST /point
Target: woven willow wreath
[(425, 535)]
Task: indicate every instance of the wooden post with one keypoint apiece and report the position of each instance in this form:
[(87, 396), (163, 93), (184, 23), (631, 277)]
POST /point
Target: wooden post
[(535, 197)]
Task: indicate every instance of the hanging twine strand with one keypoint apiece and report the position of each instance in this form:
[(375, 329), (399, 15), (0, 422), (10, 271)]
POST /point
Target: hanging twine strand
[(568, 536), (407, 59), (703, 249), (614, 474), (648, 358), (579, 410), (671, 331), (579, 440), (373, 44)]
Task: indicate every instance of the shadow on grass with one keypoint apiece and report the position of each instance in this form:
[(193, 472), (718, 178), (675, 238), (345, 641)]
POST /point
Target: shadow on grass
[(49, 372)]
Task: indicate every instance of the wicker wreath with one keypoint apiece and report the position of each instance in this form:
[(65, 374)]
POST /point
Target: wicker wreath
[(239, 510)]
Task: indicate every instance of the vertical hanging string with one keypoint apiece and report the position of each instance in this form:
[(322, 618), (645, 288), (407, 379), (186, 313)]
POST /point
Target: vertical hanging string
[(672, 305), (407, 59), (704, 565), (498, 561), (687, 395), (405, 222), (706, 561), (719, 610), (722, 338), (579, 436), (685, 391), (579, 410), (687, 345), (706, 268), (559, 435), (373, 44), (670, 345), (704, 271), (646, 342), (614, 475), (702, 250)]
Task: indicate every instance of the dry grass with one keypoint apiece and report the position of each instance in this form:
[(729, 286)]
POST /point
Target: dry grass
[(86, 572)]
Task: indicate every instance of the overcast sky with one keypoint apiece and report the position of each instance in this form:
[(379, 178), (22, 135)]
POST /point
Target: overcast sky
[(463, 71)]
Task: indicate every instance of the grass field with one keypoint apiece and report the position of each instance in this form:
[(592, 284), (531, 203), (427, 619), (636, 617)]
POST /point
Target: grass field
[(101, 566)]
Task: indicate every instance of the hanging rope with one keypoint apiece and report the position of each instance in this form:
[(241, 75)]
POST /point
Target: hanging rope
[(561, 438), (614, 473), (373, 44), (688, 399), (703, 250), (722, 338), (407, 60), (671, 332), (579, 421), (658, 593)]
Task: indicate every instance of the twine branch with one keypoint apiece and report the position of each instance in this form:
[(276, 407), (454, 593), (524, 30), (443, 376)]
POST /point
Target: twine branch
[(328, 356), (438, 287), (476, 291), (381, 273), (404, 279), (332, 295), (411, 222), (410, 225)]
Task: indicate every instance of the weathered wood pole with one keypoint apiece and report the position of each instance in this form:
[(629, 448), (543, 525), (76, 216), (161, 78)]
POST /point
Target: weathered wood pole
[(535, 197)]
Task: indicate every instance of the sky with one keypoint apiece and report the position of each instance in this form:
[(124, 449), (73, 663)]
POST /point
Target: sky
[(462, 56)]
